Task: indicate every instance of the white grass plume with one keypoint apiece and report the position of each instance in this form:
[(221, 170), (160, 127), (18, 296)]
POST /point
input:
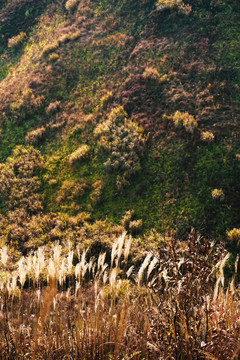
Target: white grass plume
[(127, 247), (121, 240), (129, 272), (81, 267), (70, 261), (142, 268), (220, 278), (4, 255), (152, 266), (101, 260), (113, 277), (117, 248), (57, 250), (22, 271), (114, 251)]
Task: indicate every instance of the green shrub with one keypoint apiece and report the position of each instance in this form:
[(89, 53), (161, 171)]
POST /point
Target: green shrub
[(53, 57), (50, 48), (18, 182), (124, 140), (16, 41), (96, 195), (207, 136), (152, 74), (234, 235), (27, 104), (71, 4), (135, 226), (174, 4), (105, 100), (53, 108), (34, 136), (59, 42), (81, 153), (237, 157), (218, 194), (183, 120), (71, 190)]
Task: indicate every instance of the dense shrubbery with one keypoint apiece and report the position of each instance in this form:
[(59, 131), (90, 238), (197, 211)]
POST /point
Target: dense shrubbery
[(173, 304), (53, 108), (19, 184), (234, 235), (71, 190), (218, 194), (105, 100), (71, 4), (207, 136), (152, 74), (148, 66), (81, 153), (183, 120), (27, 104), (64, 39), (35, 136), (96, 195), (17, 40), (174, 4), (124, 139)]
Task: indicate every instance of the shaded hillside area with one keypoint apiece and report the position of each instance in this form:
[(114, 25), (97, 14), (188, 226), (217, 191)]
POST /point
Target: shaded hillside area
[(118, 114)]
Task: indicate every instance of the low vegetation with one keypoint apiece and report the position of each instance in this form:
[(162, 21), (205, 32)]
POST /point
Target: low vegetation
[(119, 120), (81, 153), (17, 40), (173, 304)]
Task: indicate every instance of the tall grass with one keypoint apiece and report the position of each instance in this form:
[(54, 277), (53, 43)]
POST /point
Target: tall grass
[(60, 303)]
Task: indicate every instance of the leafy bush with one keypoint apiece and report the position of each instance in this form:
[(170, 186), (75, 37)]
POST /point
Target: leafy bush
[(34, 136), (18, 182), (96, 195), (172, 305), (218, 194), (124, 139), (237, 157), (64, 39), (16, 41), (152, 74), (71, 4), (132, 226), (234, 235), (71, 190), (135, 226), (50, 48), (207, 136), (81, 153), (117, 40), (174, 4), (53, 57), (53, 108), (105, 100), (27, 104), (52, 181), (184, 120)]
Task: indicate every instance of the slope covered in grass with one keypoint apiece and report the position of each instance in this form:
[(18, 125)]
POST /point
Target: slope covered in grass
[(128, 107), (119, 129)]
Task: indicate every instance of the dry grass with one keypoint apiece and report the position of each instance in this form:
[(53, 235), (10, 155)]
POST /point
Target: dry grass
[(175, 306)]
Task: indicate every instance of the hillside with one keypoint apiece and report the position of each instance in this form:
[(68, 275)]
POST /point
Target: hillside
[(127, 108), (119, 179)]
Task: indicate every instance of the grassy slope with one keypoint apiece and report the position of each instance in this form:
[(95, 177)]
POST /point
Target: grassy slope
[(118, 40)]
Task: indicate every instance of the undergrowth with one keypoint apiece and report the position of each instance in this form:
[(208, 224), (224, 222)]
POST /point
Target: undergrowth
[(173, 304)]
